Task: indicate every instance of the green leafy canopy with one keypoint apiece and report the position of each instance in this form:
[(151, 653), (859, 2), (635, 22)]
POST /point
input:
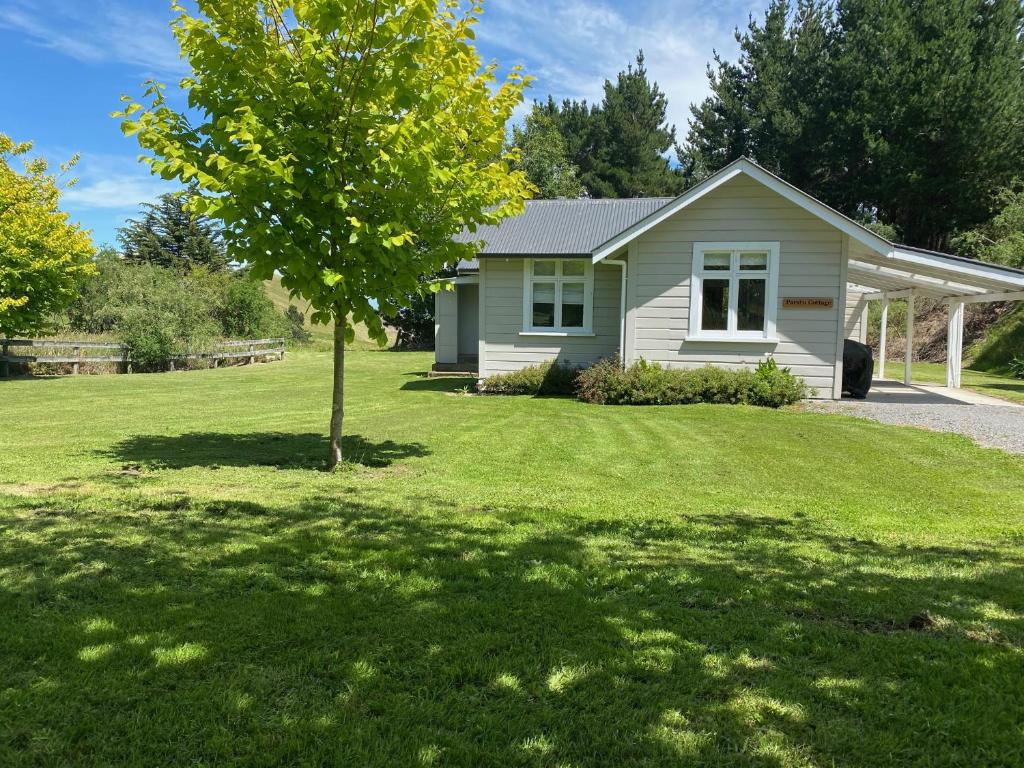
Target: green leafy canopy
[(342, 143), (43, 257)]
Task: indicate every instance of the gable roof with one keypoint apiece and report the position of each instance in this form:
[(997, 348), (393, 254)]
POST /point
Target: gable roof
[(562, 227), (747, 167), (598, 229)]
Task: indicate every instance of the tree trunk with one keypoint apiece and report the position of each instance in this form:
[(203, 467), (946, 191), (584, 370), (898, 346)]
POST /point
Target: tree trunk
[(338, 401)]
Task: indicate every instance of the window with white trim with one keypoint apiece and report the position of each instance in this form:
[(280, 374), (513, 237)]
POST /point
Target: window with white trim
[(558, 296), (734, 290)]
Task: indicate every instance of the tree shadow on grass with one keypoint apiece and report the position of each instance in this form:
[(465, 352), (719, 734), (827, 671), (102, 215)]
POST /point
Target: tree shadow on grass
[(336, 632), (277, 449), (424, 383)]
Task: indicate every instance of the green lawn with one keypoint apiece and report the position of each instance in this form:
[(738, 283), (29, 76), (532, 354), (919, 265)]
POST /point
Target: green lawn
[(935, 373), (506, 582)]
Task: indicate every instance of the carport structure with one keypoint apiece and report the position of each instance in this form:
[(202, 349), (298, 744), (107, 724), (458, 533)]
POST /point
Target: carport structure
[(891, 271)]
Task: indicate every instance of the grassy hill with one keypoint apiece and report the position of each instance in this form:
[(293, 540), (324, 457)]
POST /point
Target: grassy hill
[(325, 333), (1003, 340)]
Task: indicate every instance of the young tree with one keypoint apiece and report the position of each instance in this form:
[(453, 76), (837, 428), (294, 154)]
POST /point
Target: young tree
[(43, 257), (341, 144), (169, 234), (543, 158)]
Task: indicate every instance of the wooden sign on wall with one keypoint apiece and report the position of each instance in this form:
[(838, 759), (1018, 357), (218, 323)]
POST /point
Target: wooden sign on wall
[(805, 302)]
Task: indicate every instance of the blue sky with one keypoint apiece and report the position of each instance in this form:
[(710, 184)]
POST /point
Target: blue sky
[(67, 62)]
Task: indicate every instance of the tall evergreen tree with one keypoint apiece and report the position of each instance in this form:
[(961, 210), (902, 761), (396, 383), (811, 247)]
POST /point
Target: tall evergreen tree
[(581, 126), (635, 139), (169, 235), (939, 95), (780, 104), (911, 110), (621, 146)]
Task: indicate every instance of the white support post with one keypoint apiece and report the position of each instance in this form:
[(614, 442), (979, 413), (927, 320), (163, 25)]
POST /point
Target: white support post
[(883, 336), (908, 357), (954, 344)]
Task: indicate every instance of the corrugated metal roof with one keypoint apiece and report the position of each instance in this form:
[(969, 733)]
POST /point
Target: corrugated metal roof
[(561, 227)]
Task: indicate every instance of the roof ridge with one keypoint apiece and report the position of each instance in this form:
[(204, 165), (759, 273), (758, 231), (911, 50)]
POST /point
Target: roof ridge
[(596, 200)]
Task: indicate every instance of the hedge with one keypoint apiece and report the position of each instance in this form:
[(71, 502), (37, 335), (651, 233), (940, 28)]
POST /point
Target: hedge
[(645, 383)]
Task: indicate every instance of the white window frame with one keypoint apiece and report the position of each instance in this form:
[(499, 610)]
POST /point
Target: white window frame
[(733, 275), (587, 278)]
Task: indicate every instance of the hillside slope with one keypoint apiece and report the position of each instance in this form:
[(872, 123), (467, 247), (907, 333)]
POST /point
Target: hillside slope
[(279, 295), (993, 333)]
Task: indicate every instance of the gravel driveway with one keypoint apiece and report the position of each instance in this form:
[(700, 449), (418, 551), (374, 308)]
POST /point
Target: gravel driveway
[(990, 422)]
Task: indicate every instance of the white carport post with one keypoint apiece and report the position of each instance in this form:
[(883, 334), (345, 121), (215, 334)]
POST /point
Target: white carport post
[(882, 336), (908, 358), (954, 344)]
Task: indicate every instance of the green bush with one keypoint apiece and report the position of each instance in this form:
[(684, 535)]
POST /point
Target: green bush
[(646, 383), (248, 313), (1017, 367), (550, 378), (159, 313)]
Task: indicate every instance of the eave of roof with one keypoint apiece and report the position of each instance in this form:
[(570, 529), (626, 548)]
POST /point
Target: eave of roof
[(743, 166)]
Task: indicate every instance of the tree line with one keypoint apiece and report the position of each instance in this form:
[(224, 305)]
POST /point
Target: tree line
[(908, 116)]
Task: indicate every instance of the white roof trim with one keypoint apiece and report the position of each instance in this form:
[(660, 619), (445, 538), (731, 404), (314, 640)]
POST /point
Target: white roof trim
[(759, 174), (457, 280), (868, 271), (961, 267)]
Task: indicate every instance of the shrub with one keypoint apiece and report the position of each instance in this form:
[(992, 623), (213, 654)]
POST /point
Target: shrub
[(775, 387), (550, 378), (248, 313), (159, 313), (646, 383), (1017, 367), (297, 325), (153, 335)]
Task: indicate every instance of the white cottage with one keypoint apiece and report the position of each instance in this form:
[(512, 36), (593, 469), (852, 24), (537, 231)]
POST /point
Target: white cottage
[(741, 267)]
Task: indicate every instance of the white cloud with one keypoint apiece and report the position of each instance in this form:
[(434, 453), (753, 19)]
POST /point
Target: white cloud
[(112, 182), (573, 46), (98, 32)]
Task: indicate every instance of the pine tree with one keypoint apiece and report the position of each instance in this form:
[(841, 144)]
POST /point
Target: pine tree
[(939, 97), (912, 111), (169, 235), (635, 139), (621, 146), (780, 104)]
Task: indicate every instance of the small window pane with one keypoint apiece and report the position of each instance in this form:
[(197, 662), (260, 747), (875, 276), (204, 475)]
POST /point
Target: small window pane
[(574, 268), (572, 305), (716, 260), (715, 309), (750, 305), (754, 261), (543, 305), (544, 268)]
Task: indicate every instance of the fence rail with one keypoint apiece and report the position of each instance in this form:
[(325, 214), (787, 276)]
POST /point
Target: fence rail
[(74, 353)]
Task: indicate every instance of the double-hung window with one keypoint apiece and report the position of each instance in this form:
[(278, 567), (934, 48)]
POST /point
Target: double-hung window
[(558, 296), (734, 291)]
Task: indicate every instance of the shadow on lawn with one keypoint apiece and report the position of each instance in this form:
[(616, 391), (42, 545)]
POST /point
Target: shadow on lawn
[(348, 633), (278, 449), (424, 383)]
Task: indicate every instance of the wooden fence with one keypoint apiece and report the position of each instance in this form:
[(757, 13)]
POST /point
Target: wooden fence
[(79, 353)]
